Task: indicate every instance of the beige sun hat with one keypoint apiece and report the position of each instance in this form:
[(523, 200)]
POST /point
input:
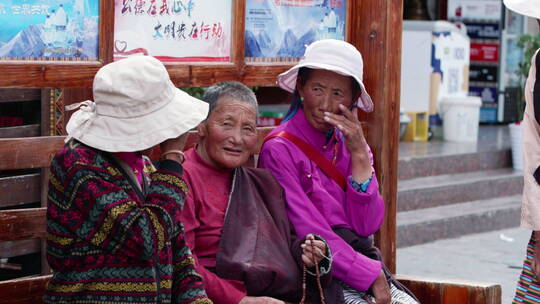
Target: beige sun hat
[(530, 8), (136, 106), (333, 55)]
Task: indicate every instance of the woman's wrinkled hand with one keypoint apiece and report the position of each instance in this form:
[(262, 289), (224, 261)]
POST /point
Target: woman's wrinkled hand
[(381, 290), (350, 127), (260, 300), (313, 251), (174, 144)]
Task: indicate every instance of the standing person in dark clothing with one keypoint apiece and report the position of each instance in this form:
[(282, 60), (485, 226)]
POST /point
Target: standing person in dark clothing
[(528, 287)]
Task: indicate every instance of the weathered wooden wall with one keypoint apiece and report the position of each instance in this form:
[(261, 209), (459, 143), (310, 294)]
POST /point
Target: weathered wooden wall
[(20, 188)]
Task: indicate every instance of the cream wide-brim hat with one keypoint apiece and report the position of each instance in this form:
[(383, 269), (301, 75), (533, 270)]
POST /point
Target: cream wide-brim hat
[(136, 107), (333, 55), (530, 8)]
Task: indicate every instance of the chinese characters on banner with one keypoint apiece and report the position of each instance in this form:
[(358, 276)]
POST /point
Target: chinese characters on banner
[(174, 30), (51, 30), (279, 30)]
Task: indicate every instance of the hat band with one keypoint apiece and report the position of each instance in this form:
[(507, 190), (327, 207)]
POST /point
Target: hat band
[(86, 114)]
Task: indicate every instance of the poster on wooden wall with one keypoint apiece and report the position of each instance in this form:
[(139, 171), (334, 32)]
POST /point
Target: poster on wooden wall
[(174, 30), (49, 30), (279, 30)]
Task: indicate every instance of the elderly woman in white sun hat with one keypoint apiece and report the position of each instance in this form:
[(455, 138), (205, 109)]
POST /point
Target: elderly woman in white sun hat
[(528, 287), (111, 230), (322, 160)]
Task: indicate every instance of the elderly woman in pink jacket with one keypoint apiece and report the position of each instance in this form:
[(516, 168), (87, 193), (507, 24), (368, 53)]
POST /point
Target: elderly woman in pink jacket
[(528, 287), (322, 160)]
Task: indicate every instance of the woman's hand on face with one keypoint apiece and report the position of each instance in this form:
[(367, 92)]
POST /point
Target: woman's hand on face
[(313, 251), (355, 141), (350, 126), (260, 300), (172, 144)]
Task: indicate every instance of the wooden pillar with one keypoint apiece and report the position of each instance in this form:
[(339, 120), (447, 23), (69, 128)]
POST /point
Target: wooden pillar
[(376, 31)]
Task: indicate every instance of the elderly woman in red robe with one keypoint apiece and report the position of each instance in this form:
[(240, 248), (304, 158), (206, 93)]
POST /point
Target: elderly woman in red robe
[(235, 219)]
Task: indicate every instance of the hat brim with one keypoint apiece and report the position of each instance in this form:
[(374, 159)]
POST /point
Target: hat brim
[(113, 134), (287, 81), (524, 7)]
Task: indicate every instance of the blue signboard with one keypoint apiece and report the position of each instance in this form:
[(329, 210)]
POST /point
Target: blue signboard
[(280, 30), (476, 30), (488, 94), (488, 114), (49, 30)]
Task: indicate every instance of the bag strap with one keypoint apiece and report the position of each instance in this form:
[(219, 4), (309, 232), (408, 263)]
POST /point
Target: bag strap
[(324, 164)]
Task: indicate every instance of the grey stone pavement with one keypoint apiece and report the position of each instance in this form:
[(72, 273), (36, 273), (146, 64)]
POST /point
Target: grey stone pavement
[(494, 257)]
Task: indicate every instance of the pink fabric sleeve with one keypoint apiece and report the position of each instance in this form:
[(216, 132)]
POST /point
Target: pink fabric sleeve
[(351, 267), (365, 211)]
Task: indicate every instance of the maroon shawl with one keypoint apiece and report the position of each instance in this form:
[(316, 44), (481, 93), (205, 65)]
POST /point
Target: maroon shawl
[(258, 245)]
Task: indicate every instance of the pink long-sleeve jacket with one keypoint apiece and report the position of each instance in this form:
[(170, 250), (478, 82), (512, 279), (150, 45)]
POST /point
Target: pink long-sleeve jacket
[(316, 204)]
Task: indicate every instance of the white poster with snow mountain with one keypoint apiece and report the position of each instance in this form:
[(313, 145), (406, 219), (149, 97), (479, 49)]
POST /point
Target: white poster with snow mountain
[(279, 30), (59, 30)]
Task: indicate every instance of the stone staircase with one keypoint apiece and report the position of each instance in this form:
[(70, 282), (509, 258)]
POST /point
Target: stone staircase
[(447, 190)]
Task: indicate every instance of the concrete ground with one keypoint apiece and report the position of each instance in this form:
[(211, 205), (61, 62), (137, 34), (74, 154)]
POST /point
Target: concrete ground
[(494, 257)]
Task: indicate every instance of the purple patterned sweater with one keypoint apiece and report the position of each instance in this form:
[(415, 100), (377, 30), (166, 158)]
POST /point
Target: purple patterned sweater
[(107, 242)]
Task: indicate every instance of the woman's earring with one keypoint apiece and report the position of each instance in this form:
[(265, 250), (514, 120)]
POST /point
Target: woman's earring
[(302, 99)]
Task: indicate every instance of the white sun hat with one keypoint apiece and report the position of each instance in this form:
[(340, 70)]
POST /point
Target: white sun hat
[(136, 106), (333, 55), (530, 8)]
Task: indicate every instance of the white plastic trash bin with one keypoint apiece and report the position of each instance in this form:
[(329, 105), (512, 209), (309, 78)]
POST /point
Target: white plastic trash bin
[(461, 117)]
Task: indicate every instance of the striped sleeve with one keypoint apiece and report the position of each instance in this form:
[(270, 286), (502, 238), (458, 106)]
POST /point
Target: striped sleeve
[(188, 285)]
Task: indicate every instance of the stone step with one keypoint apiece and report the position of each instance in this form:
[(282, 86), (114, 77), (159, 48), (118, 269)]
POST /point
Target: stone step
[(432, 191), (430, 224), (438, 164)]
